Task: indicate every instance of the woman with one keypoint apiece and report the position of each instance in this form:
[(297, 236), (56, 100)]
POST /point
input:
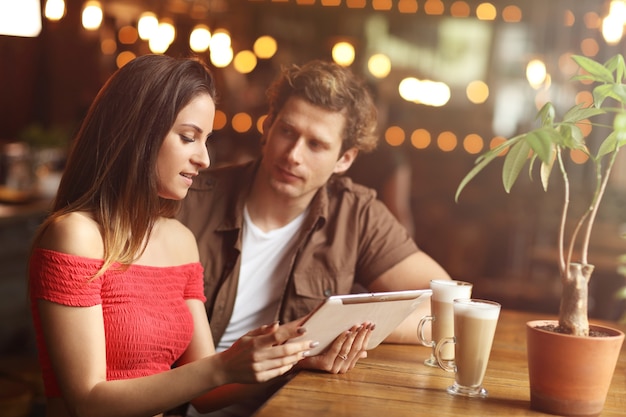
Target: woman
[(115, 282)]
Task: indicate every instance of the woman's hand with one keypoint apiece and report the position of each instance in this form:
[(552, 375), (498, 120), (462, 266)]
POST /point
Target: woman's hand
[(345, 351), (263, 354)]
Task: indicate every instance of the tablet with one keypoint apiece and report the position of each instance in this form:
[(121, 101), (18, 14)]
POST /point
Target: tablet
[(339, 313)]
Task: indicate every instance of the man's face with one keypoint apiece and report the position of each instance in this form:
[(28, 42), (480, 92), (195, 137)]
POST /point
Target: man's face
[(302, 149)]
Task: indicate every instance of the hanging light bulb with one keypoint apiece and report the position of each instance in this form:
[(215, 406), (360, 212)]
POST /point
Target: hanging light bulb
[(221, 57), (147, 25), (167, 31), (245, 61), (92, 15), (612, 29), (161, 40), (613, 23), (220, 39), (55, 9), (200, 38), (379, 65), (20, 18), (536, 73), (221, 52), (265, 47), (343, 53)]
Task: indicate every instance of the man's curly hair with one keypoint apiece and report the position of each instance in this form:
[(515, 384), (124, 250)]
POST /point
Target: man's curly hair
[(331, 87)]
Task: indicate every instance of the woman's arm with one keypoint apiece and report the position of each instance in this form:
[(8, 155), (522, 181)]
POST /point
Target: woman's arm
[(230, 393), (412, 273), (75, 337), (75, 341)]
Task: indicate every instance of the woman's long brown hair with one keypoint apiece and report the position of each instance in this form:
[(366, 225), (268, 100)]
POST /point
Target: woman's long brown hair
[(111, 166)]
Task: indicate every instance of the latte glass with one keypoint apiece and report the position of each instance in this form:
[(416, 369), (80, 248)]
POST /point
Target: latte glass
[(441, 316), (475, 324)]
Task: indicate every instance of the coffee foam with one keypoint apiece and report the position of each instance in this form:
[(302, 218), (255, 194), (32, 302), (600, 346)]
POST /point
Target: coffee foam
[(478, 310), (447, 291)]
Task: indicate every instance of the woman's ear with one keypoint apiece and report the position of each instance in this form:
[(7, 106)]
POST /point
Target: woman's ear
[(345, 161)]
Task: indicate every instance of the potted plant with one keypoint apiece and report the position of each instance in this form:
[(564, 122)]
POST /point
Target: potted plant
[(554, 385), (48, 149)]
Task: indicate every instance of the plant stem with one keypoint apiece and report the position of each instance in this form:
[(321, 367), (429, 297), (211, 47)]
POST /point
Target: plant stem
[(572, 242), (603, 180), (562, 265)]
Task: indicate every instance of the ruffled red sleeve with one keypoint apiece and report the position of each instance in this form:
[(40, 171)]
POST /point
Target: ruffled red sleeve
[(65, 279), (146, 321)]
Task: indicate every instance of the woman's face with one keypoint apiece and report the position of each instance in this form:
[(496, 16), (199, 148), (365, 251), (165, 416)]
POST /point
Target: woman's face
[(183, 152)]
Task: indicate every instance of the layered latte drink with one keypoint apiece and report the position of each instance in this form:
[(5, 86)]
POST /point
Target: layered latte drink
[(475, 324), (474, 328), (442, 315)]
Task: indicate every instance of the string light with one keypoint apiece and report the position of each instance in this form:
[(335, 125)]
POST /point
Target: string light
[(20, 18), (343, 53), (147, 25), (92, 15), (200, 38), (54, 10)]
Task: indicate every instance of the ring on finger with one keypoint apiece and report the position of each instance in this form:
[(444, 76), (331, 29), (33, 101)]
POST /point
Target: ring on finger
[(344, 357)]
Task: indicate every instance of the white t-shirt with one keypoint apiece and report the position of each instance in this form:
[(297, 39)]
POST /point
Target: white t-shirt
[(261, 280)]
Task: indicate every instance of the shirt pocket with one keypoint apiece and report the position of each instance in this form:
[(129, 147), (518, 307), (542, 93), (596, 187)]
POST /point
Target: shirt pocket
[(320, 283)]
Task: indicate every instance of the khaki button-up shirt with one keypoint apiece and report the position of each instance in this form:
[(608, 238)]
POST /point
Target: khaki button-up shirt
[(347, 237)]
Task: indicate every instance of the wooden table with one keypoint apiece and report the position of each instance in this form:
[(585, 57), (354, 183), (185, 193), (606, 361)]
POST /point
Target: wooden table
[(394, 382)]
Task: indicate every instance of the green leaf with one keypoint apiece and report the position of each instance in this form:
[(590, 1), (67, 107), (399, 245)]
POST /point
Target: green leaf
[(546, 113), (513, 164), (619, 93), (616, 64), (583, 77), (608, 145), (546, 169), (578, 113), (500, 148), (600, 93), (482, 162), (598, 71), (620, 71), (531, 164), (619, 124), (572, 136), (541, 141)]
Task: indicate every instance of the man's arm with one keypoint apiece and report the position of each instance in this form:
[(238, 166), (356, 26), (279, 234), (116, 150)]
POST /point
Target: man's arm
[(412, 273), (396, 194)]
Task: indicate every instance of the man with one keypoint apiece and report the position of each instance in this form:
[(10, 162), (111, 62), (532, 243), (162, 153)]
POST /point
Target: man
[(280, 234)]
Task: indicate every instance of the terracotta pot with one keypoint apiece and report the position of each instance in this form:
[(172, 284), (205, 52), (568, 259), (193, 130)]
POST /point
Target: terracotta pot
[(570, 375)]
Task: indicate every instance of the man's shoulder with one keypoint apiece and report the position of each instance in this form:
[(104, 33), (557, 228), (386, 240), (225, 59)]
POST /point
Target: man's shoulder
[(342, 186), (361, 202)]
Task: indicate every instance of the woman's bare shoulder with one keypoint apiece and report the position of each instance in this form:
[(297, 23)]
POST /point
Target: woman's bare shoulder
[(182, 241), (75, 233)]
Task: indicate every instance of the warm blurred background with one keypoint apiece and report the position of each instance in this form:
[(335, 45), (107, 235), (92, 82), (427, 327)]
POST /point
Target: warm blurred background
[(451, 79)]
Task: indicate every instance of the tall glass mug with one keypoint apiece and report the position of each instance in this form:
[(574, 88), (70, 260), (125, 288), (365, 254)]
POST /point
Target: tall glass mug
[(475, 324), (441, 316)]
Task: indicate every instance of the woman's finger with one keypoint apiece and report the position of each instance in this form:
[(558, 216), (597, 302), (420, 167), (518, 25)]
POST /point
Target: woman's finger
[(353, 348)]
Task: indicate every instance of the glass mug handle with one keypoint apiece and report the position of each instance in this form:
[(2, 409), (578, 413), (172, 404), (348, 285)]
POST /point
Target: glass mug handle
[(420, 331), (444, 364)]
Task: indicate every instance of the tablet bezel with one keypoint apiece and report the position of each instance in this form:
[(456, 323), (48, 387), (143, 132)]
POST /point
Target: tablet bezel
[(339, 313)]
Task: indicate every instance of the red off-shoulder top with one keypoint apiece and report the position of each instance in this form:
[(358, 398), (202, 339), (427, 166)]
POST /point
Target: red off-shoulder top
[(147, 323)]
